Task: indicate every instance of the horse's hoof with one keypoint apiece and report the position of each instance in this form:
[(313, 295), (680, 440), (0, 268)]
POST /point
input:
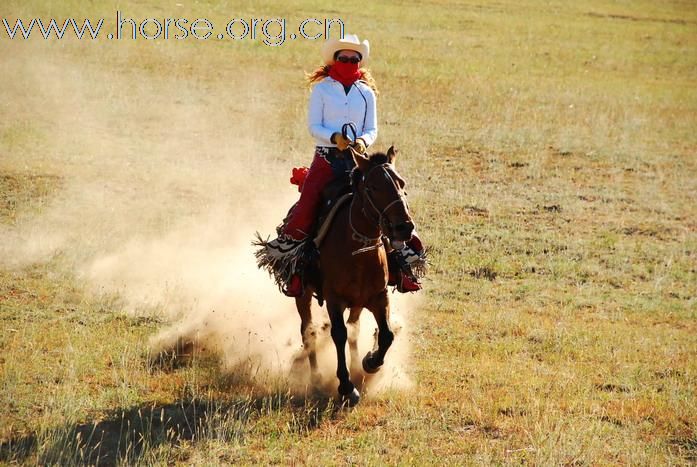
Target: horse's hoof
[(368, 365), (351, 399)]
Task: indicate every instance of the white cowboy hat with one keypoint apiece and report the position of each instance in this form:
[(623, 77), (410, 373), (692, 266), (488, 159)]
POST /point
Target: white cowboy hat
[(349, 42)]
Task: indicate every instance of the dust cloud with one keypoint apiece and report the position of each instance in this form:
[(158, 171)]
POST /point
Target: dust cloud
[(163, 182)]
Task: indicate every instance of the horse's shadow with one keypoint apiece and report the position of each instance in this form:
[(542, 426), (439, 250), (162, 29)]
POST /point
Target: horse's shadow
[(126, 435)]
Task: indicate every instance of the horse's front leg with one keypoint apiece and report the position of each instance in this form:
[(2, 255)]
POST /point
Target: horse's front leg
[(308, 333), (354, 328), (374, 359), (347, 390)]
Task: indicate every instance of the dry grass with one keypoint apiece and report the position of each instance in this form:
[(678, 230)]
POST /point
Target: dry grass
[(550, 152)]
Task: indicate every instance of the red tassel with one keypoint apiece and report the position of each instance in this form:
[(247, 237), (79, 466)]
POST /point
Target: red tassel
[(299, 175)]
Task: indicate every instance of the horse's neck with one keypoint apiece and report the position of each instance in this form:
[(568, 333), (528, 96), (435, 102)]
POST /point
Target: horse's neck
[(360, 220)]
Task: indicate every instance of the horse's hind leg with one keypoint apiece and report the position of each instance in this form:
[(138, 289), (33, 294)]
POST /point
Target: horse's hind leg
[(373, 360), (354, 326), (308, 333), (347, 390)]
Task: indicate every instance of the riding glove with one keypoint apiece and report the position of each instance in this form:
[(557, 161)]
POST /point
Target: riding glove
[(359, 146)]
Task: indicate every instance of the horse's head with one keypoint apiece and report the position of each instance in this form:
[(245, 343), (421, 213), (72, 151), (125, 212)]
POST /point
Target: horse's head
[(381, 191)]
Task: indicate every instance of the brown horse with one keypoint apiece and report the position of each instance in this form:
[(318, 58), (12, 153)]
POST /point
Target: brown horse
[(353, 267)]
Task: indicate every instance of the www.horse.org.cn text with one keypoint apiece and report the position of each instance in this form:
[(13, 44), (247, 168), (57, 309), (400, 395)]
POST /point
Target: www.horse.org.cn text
[(272, 32)]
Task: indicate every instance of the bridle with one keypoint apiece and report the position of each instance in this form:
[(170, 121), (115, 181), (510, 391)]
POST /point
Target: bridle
[(378, 216), (381, 221)]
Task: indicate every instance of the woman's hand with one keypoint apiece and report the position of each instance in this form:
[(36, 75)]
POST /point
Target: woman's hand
[(341, 141), (359, 146)]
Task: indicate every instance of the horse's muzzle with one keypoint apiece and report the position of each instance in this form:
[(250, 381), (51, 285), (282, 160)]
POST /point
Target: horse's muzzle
[(403, 230)]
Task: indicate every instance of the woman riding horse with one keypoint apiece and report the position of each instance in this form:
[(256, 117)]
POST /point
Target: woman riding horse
[(343, 93)]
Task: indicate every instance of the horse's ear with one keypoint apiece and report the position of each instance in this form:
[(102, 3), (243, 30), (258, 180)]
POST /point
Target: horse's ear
[(391, 154), (362, 162)]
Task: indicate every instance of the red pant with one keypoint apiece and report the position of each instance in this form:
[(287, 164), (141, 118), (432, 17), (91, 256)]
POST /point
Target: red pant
[(304, 213)]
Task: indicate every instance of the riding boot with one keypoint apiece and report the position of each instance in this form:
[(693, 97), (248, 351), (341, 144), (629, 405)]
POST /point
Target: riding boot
[(403, 282), (407, 283), (400, 274), (402, 258), (295, 286)]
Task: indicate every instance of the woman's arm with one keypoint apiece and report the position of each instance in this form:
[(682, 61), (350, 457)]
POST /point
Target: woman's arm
[(314, 117), (370, 126)]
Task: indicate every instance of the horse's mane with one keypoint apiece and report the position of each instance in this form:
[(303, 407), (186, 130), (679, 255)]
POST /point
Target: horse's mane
[(377, 158)]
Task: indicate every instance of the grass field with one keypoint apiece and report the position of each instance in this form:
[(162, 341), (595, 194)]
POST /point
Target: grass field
[(550, 151)]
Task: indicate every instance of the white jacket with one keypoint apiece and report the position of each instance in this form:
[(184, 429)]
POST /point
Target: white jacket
[(330, 107)]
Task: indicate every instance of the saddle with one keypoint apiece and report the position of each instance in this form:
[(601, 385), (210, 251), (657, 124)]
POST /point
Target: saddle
[(334, 196)]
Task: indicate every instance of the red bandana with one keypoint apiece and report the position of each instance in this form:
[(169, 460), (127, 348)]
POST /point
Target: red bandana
[(345, 73)]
